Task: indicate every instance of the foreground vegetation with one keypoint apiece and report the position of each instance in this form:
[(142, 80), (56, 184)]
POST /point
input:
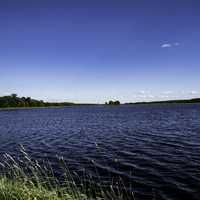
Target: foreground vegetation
[(18, 190), (26, 179)]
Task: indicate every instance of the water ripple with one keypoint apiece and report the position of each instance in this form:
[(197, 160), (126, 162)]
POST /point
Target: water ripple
[(155, 149)]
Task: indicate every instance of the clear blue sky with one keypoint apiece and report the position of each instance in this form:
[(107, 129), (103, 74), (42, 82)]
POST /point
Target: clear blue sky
[(93, 51)]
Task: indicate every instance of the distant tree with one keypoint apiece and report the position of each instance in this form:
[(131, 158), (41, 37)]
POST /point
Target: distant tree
[(114, 103), (14, 101), (28, 99), (117, 102), (13, 95), (23, 99), (110, 102)]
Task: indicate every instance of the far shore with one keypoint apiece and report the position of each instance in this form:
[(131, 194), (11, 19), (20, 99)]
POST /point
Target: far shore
[(27, 108), (46, 107), (13, 102), (121, 105)]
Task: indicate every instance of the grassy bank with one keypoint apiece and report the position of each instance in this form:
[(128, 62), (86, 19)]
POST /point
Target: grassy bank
[(26, 179), (19, 190)]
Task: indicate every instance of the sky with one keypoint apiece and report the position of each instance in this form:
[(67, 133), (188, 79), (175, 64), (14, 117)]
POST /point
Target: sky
[(98, 50)]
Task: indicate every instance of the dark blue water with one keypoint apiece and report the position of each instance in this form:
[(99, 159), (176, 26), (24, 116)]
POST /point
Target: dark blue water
[(154, 148)]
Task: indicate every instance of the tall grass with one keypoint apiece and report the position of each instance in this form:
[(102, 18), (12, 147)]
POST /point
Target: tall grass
[(26, 179)]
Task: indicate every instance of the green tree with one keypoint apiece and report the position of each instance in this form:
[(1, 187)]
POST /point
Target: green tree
[(14, 96)]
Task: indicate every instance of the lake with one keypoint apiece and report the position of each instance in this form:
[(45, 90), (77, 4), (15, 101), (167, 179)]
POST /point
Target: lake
[(153, 148)]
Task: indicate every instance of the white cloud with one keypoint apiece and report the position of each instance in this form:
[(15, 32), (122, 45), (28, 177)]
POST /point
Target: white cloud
[(176, 44), (151, 96), (142, 92), (167, 92), (193, 92), (167, 45), (164, 96)]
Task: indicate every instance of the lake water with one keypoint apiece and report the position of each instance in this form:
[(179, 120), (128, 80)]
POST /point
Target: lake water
[(154, 148)]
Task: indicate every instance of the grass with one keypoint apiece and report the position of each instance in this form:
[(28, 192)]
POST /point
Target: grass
[(17, 190), (26, 179)]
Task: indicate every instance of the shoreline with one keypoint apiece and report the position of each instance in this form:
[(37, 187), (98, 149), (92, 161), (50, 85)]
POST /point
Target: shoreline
[(46, 107), (111, 106), (29, 108)]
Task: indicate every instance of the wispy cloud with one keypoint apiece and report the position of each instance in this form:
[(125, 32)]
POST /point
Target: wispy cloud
[(169, 45), (167, 92), (194, 92), (142, 92), (176, 44)]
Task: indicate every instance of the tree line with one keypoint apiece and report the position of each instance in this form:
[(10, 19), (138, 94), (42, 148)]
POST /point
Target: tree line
[(14, 101), (112, 103), (196, 100)]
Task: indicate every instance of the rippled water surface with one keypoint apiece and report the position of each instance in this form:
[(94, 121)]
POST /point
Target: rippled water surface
[(154, 148)]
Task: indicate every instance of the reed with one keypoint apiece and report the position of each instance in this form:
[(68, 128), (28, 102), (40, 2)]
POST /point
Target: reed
[(26, 179)]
